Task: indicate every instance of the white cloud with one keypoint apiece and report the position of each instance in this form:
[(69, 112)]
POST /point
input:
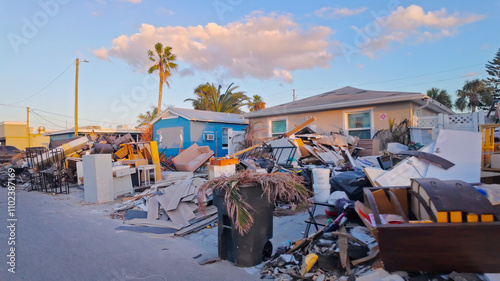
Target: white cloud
[(101, 53), (132, 1), (361, 66), (411, 24), (259, 46), (332, 13)]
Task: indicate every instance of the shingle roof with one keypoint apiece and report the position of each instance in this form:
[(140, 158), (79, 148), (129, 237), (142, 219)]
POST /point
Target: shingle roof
[(202, 115), (340, 98)]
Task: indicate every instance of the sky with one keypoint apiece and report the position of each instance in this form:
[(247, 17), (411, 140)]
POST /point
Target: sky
[(266, 48)]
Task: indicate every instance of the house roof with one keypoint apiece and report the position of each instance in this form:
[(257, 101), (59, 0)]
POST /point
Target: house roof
[(201, 115), (348, 97), (97, 130)]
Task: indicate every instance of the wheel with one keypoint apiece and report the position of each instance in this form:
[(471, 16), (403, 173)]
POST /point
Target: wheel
[(267, 251)]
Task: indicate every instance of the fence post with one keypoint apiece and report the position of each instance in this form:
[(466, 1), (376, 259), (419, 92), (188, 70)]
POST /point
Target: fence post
[(441, 121)]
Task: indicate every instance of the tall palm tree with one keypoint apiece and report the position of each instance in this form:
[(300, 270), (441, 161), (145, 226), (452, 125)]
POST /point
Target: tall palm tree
[(257, 103), (440, 96), (145, 118), (209, 97), (164, 62), (474, 94)]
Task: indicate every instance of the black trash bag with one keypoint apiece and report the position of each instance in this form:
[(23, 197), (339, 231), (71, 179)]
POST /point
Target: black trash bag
[(352, 183)]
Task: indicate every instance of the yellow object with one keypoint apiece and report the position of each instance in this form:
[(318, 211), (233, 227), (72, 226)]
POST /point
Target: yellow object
[(442, 217), (486, 218), (455, 216), (308, 263), (156, 158), (472, 218)]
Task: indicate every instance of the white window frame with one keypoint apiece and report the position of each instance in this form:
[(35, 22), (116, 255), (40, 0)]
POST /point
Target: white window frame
[(360, 110), (270, 125)]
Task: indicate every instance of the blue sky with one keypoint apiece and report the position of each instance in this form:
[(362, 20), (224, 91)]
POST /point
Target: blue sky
[(267, 48)]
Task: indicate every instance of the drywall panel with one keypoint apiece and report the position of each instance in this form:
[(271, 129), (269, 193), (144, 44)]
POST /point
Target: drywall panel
[(461, 148)]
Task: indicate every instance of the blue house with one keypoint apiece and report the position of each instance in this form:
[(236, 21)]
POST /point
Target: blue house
[(179, 128)]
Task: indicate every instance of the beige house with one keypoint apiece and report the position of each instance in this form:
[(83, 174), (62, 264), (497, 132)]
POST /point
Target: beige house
[(16, 134), (354, 111)]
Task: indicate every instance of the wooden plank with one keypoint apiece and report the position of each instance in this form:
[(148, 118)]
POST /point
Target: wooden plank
[(196, 226), (152, 205), (343, 245), (182, 214), (153, 223)]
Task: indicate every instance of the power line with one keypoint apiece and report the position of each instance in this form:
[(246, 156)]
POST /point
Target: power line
[(385, 81), (58, 114), (48, 120), (45, 86)]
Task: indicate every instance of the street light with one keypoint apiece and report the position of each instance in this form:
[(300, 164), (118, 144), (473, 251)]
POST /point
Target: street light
[(76, 96)]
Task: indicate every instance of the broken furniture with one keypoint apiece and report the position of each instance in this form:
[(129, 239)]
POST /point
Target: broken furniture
[(428, 246), (98, 178), (144, 173), (122, 180), (48, 170), (490, 160), (316, 220), (144, 151), (192, 158)]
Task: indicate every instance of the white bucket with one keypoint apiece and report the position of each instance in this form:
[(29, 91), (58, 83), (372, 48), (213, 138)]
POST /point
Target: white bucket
[(321, 192), (321, 176)]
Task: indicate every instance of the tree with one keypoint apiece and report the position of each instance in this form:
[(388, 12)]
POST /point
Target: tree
[(209, 97), (145, 118), (474, 94), (257, 103), (440, 96), (164, 62), (493, 70)]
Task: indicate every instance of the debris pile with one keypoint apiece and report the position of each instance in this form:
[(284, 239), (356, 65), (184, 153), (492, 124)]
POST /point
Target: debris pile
[(170, 205)]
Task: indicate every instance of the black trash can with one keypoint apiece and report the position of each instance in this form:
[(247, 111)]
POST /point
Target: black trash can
[(250, 248)]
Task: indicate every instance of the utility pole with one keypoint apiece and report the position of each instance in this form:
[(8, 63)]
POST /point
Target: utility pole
[(28, 125), (294, 97), (76, 96)]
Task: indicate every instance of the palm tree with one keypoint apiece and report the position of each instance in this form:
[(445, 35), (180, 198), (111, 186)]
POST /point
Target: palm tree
[(164, 62), (145, 118), (209, 97), (474, 94), (440, 96), (257, 103)]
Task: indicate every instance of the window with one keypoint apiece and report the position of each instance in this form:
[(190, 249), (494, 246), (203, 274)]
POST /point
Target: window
[(359, 124), (278, 127), (225, 137)]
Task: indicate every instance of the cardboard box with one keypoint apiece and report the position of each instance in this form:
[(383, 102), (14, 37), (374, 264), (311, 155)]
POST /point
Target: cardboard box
[(372, 147)]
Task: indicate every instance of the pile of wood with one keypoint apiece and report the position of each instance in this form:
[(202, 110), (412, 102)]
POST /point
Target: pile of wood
[(170, 204)]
